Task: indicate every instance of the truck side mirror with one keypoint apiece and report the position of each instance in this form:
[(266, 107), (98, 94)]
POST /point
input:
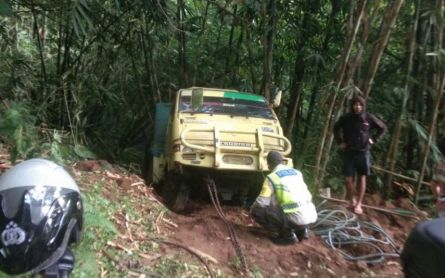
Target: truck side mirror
[(276, 99)]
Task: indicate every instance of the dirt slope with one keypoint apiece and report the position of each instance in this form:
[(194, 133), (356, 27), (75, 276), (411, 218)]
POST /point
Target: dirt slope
[(204, 230), (205, 233)]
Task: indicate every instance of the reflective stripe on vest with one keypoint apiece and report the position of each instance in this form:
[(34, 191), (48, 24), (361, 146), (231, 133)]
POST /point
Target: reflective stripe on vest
[(282, 193)]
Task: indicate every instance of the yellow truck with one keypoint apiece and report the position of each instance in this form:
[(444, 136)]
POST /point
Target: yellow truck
[(221, 134)]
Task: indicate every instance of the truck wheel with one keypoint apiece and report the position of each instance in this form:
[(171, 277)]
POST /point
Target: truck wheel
[(148, 166), (180, 201), (175, 192)]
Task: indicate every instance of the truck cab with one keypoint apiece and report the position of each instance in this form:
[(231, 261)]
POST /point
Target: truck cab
[(218, 133)]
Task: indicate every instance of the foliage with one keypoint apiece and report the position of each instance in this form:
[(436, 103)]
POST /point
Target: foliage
[(170, 267), (25, 139), (18, 131), (98, 231), (80, 80), (101, 251), (91, 72), (5, 8)]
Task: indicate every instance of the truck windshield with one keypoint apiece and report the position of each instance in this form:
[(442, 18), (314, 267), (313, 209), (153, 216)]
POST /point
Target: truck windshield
[(246, 106)]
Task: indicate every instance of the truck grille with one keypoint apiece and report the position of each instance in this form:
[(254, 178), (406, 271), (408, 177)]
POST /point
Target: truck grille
[(237, 159), (189, 156)]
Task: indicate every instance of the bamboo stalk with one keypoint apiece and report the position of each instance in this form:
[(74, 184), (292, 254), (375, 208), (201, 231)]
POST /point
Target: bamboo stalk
[(353, 28), (398, 175), (374, 208)]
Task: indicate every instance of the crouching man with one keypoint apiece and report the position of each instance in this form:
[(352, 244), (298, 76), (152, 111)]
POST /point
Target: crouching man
[(284, 205)]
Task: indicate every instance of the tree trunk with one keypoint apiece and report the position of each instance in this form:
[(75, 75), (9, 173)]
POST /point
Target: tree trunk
[(296, 92), (228, 68), (250, 55), (315, 91), (297, 79), (387, 24), (394, 147), (216, 54), (148, 65), (270, 19), (352, 34), (237, 57), (180, 33), (40, 47), (438, 85)]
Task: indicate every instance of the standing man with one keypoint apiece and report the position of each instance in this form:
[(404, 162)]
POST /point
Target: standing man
[(284, 204), (355, 133)]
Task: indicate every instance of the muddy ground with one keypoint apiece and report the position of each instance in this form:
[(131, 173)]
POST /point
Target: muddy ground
[(205, 233), (204, 230)]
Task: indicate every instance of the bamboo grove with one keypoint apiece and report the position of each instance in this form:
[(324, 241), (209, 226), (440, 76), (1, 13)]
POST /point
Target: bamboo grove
[(80, 78)]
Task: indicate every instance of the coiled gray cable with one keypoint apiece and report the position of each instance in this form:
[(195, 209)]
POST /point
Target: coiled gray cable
[(343, 231)]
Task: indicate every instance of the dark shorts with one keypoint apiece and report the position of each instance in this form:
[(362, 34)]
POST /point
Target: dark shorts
[(356, 162)]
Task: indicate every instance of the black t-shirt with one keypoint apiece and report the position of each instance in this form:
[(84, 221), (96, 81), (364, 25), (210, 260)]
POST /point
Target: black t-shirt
[(356, 129)]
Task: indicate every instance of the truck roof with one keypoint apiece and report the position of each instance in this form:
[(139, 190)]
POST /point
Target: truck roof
[(226, 93)]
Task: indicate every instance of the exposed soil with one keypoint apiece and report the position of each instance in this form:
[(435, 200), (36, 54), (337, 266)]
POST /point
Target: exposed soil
[(204, 230), (205, 233)]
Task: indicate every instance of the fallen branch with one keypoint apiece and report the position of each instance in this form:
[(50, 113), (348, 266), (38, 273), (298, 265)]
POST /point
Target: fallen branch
[(112, 176), (148, 257), (116, 245), (375, 208), (128, 227), (158, 219), (206, 256), (171, 223), (191, 252), (137, 183), (398, 175)]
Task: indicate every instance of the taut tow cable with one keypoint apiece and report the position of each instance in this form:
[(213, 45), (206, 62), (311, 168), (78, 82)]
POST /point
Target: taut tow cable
[(233, 237)]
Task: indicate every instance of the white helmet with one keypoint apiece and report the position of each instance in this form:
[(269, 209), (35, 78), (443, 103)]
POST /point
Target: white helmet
[(41, 212)]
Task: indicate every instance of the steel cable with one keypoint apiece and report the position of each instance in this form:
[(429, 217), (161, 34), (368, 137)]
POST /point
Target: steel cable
[(234, 238), (340, 229)]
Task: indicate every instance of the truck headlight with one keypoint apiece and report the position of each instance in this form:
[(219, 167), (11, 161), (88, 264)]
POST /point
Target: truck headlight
[(187, 150), (177, 148)]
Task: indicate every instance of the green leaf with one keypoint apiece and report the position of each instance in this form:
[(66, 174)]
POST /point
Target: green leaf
[(84, 152), (81, 10), (59, 152), (5, 8)]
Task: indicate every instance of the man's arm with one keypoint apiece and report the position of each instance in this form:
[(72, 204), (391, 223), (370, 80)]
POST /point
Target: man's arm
[(265, 196), (379, 126), (338, 126)]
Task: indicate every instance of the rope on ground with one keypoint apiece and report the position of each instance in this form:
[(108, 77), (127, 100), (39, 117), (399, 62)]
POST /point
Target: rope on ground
[(342, 230), (234, 238)]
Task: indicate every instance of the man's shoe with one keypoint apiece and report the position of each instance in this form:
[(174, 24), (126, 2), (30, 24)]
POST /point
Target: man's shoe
[(302, 234), (285, 240)]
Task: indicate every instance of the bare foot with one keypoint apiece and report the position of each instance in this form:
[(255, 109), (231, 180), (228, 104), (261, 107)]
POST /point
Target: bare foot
[(358, 210), (351, 205)]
